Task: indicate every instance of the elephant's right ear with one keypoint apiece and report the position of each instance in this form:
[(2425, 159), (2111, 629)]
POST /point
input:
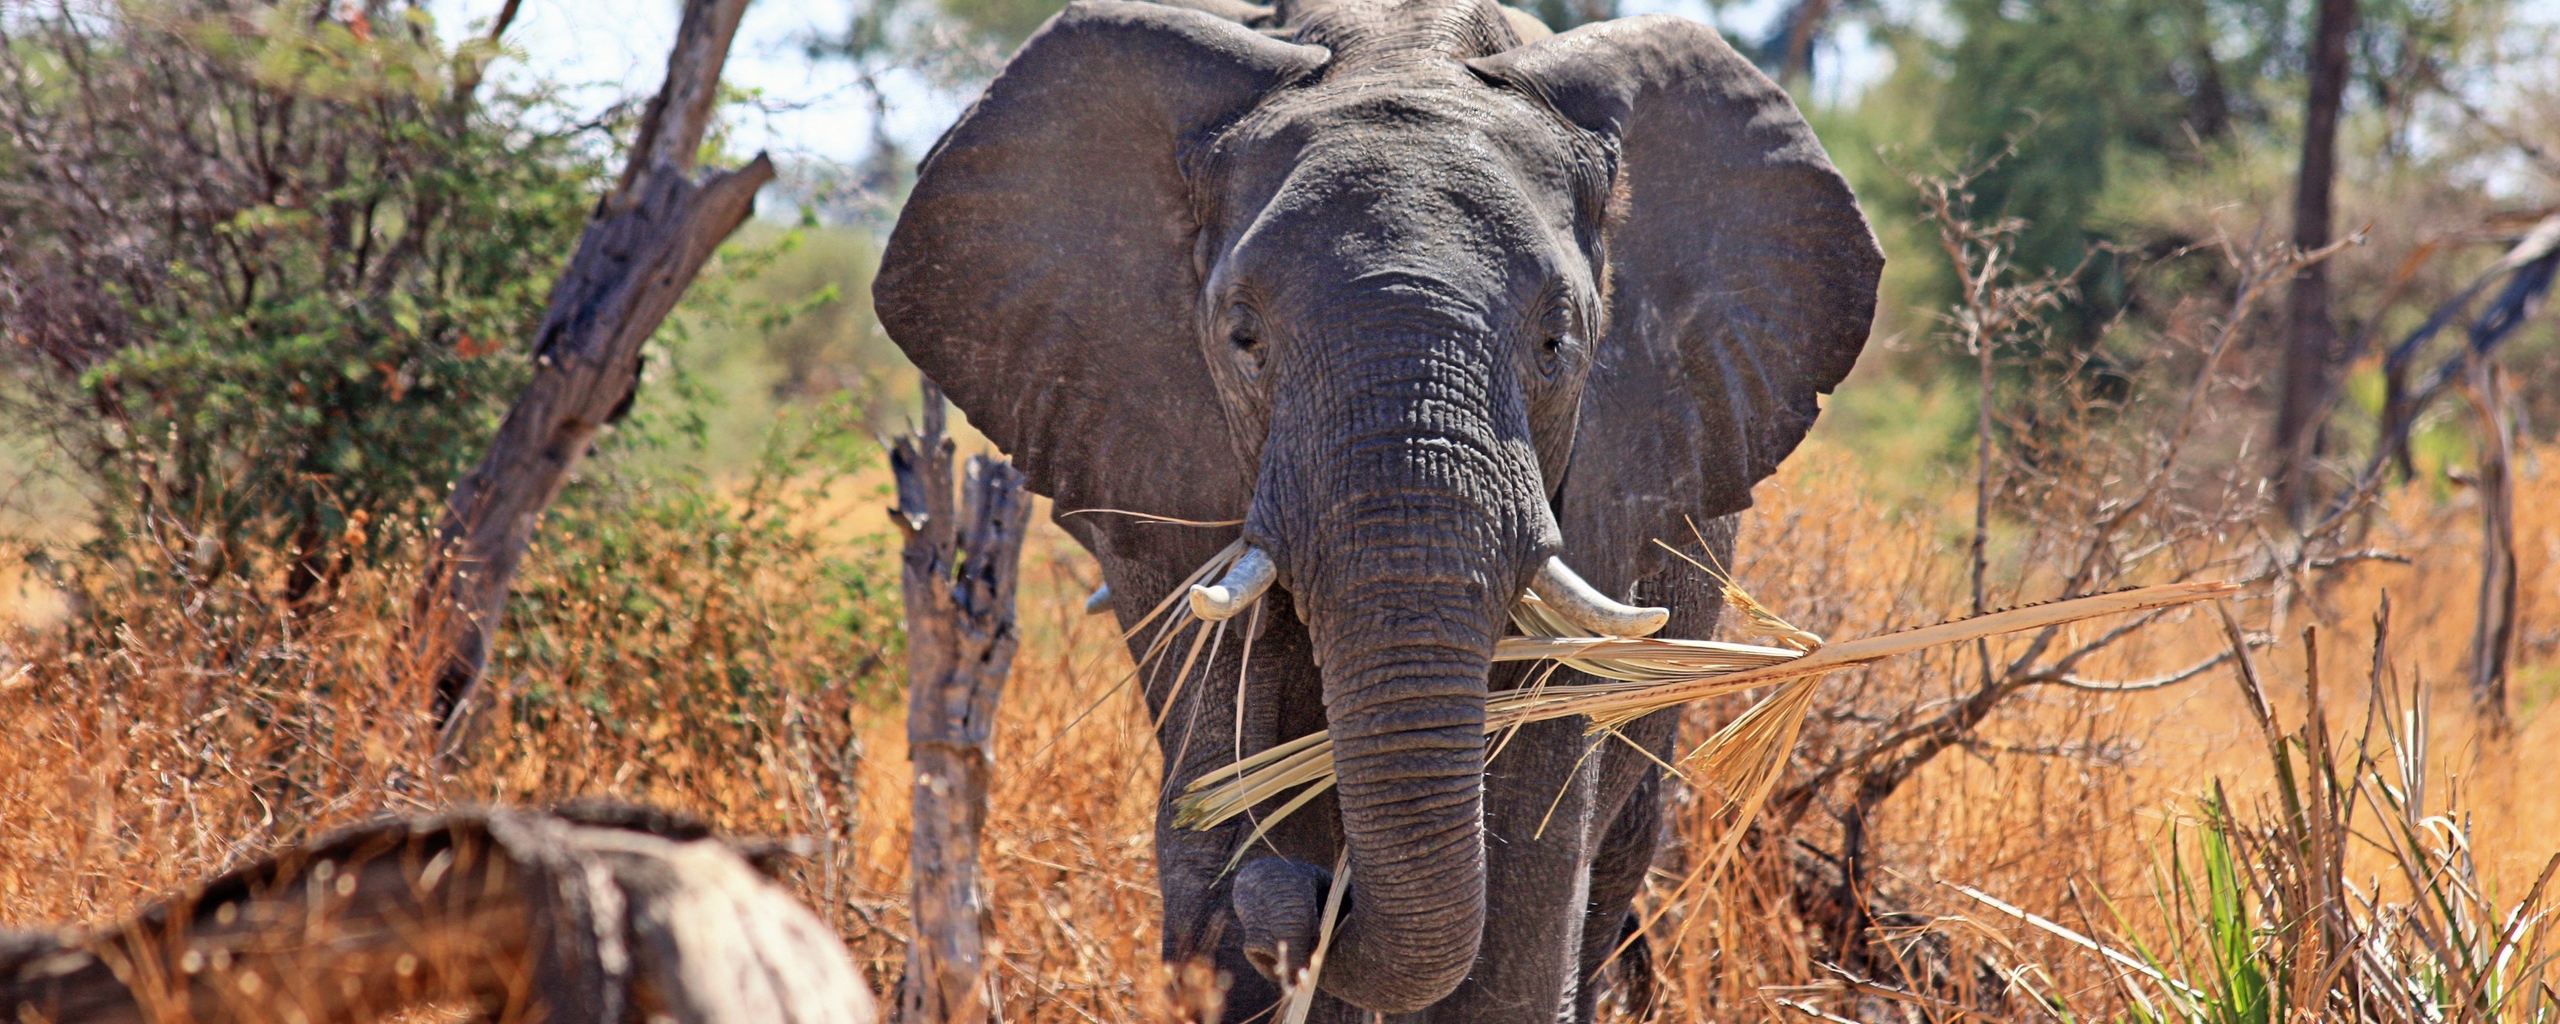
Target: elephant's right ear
[(1042, 270)]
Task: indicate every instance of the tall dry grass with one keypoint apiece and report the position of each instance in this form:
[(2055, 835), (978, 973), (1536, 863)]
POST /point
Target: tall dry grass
[(2071, 803), (724, 651)]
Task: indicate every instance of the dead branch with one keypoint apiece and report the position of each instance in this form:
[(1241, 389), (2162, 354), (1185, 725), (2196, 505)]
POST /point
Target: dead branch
[(960, 570), (2157, 682), (648, 239), (589, 915), (2529, 268), (2493, 638)]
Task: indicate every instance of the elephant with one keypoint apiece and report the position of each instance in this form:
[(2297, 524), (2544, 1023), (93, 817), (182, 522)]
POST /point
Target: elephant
[(1431, 308)]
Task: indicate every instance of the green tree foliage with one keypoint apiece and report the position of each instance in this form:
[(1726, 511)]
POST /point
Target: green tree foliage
[(266, 269), (2088, 87), (1561, 15), (1007, 22), (2100, 95), (811, 315)]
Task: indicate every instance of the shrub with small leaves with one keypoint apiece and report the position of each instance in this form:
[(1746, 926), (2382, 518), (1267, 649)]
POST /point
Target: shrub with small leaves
[(262, 268)]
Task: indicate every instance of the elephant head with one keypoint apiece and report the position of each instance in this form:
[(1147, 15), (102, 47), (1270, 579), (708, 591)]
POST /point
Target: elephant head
[(1424, 307)]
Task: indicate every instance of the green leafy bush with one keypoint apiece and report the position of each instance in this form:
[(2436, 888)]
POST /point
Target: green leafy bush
[(265, 269)]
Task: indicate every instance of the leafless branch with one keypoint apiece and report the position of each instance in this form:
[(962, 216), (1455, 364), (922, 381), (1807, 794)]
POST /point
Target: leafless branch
[(2135, 686)]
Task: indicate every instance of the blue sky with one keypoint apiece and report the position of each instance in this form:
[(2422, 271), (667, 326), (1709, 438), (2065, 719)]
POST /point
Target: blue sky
[(609, 49)]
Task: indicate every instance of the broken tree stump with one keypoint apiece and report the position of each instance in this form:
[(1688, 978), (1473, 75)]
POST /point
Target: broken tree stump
[(960, 572), (646, 241), (590, 915)]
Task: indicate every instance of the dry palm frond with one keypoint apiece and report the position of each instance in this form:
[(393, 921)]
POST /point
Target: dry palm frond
[(1636, 660), (1650, 675), (1150, 517), (1177, 619), (1763, 621)]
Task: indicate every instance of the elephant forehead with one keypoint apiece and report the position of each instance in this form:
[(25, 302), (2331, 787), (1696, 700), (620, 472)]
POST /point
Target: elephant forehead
[(1452, 118), (1460, 181)]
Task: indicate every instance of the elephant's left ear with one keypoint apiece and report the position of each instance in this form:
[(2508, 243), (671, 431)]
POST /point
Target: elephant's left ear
[(1743, 275)]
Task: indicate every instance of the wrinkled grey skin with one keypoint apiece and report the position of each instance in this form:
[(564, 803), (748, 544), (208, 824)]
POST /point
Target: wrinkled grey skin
[(1422, 304)]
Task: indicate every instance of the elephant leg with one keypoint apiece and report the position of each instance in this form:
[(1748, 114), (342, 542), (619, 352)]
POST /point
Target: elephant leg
[(1632, 792), (1224, 708), (1617, 873), (1191, 865)]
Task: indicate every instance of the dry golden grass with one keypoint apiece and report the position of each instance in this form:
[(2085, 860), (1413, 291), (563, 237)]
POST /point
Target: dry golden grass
[(215, 726), (2072, 795)]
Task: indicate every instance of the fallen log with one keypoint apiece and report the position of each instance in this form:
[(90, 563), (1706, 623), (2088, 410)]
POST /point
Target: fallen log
[(592, 914)]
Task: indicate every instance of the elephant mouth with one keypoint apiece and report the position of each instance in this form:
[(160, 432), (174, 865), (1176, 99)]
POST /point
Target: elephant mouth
[(1563, 590)]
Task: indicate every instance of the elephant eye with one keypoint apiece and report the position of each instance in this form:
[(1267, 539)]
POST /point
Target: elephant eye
[(1244, 331), (1557, 334)]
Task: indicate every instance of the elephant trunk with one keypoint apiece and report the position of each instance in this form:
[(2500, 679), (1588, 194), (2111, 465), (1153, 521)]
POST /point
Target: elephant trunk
[(1403, 533), (1404, 697)]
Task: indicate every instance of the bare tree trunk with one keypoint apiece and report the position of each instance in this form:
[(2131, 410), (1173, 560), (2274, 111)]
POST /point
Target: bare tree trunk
[(647, 240), (1804, 26), (2493, 636), (2312, 346), (960, 574)]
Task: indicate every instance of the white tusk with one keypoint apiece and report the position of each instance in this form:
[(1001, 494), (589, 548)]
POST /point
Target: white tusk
[(1243, 585), (1100, 602), (1579, 603)]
